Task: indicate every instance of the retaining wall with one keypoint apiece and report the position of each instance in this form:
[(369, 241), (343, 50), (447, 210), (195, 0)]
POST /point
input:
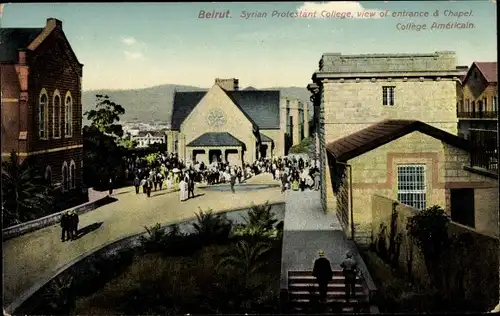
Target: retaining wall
[(27, 227)]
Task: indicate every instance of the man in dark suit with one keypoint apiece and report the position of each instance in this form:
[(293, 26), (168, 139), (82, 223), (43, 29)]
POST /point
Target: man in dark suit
[(323, 272), (350, 269), (191, 185), (65, 229)]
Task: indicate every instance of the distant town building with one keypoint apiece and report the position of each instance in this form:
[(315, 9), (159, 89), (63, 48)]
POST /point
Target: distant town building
[(146, 138), (354, 92), (41, 85), (228, 124)]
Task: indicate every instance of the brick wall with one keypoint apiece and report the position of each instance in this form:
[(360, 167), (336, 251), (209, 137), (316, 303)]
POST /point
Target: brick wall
[(54, 69), (10, 107)]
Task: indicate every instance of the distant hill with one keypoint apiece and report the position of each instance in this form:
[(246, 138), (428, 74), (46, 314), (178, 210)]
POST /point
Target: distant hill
[(155, 103)]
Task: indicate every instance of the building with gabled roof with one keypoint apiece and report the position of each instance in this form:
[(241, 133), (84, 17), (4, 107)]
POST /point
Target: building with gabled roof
[(414, 163), (228, 124), (41, 83), (477, 111)]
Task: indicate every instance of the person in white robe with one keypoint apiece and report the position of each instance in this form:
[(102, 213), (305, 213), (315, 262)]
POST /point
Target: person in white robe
[(183, 185), (169, 181)]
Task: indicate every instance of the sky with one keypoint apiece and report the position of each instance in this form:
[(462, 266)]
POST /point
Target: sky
[(138, 45)]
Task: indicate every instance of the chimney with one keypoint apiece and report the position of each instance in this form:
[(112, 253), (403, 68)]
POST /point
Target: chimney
[(228, 84), (54, 22)]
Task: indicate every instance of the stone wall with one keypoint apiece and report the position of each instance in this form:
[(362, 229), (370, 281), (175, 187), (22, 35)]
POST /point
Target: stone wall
[(352, 105), (338, 63), (27, 227), (480, 262), (85, 261), (375, 173), (236, 123), (278, 137)]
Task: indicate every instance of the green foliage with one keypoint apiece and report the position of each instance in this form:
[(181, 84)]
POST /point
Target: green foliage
[(102, 158), (60, 297), (246, 258), (259, 222), (105, 114), (156, 284), (302, 148), (212, 227), (25, 194), (152, 158), (128, 143), (155, 239), (429, 230)]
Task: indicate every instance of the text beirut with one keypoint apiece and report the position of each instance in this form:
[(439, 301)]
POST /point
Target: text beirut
[(225, 14)]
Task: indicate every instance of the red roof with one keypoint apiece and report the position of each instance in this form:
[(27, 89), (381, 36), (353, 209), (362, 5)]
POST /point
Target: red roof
[(489, 70), (384, 132)]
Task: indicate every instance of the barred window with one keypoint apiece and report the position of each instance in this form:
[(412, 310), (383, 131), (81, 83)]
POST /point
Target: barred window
[(388, 96), (411, 186)]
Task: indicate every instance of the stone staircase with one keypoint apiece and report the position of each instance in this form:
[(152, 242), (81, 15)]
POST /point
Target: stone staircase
[(303, 294)]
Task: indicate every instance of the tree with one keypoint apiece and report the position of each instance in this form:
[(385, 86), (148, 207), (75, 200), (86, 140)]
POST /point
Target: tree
[(246, 258), (26, 196), (429, 230), (105, 115), (212, 227), (102, 157), (128, 143), (259, 222)]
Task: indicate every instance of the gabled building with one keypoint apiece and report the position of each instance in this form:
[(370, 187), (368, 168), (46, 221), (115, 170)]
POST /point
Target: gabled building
[(41, 84), (477, 111), (353, 92), (228, 124), (146, 138), (414, 163)]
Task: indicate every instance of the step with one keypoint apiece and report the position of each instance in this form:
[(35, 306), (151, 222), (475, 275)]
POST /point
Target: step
[(331, 295), (309, 273), (356, 301), (331, 286), (343, 309), (312, 280)]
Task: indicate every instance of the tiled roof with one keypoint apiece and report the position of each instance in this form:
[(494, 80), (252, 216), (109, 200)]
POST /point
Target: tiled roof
[(384, 132), (489, 70), (261, 107), (13, 39), (264, 138), (212, 139)]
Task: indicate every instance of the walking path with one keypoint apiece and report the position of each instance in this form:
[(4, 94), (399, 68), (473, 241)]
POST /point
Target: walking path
[(30, 257), (308, 229)]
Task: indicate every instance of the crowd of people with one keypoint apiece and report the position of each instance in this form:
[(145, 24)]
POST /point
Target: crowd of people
[(170, 172)]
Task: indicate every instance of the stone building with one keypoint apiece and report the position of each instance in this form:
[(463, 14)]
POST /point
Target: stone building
[(41, 83), (238, 126), (414, 163), (353, 92), (146, 138), (477, 108)]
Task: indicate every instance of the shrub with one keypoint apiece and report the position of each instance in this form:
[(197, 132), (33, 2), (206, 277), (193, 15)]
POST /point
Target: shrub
[(259, 223), (212, 227)]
